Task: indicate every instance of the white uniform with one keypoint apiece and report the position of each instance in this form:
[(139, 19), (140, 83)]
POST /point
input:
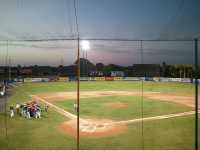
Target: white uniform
[(75, 107), (38, 114), (11, 113), (28, 115)]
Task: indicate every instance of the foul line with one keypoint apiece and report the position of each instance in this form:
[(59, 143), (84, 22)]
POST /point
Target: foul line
[(156, 117)]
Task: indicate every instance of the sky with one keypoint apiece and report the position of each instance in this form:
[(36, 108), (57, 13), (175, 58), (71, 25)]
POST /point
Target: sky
[(133, 19)]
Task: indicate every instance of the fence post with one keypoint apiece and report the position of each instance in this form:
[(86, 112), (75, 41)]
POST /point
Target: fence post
[(196, 93), (78, 94)]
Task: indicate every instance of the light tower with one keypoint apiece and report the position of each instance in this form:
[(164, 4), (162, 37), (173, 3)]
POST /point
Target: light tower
[(85, 47)]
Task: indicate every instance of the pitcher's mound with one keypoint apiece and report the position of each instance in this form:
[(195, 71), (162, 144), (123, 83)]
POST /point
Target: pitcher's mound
[(92, 128), (116, 105)]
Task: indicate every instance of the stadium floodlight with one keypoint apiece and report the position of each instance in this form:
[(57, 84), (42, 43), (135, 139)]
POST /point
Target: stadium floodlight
[(85, 45), (2, 93)]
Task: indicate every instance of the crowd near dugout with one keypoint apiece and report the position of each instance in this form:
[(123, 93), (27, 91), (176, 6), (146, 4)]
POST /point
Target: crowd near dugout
[(30, 109)]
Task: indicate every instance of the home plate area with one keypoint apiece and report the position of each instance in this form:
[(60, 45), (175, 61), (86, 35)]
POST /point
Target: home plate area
[(93, 128)]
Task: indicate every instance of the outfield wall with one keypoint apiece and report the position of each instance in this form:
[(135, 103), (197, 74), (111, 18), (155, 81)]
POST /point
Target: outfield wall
[(68, 79)]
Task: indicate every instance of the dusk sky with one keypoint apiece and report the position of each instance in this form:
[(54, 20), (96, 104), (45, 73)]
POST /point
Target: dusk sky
[(134, 19)]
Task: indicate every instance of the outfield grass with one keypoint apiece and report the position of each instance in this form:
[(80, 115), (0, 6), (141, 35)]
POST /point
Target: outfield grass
[(178, 88), (95, 107), (43, 134)]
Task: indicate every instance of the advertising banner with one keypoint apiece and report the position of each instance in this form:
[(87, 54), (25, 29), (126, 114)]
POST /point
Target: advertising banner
[(131, 78), (186, 80), (118, 78), (45, 79), (148, 79), (84, 78), (100, 78), (174, 79), (156, 79), (162, 79), (63, 79), (27, 80), (109, 78)]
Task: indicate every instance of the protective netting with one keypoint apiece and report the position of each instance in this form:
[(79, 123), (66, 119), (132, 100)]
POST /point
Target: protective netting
[(130, 93), (155, 97), (21, 19)]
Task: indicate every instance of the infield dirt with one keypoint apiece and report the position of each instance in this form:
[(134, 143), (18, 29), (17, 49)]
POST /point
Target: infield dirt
[(60, 96)]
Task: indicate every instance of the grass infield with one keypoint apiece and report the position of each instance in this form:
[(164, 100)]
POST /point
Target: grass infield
[(99, 107)]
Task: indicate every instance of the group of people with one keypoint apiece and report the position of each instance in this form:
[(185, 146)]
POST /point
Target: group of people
[(27, 110)]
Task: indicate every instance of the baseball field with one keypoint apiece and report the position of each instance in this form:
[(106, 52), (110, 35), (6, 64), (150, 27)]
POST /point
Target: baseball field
[(114, 115)]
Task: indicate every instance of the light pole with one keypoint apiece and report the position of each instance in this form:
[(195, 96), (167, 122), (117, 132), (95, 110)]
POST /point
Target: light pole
[(85, 46)]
